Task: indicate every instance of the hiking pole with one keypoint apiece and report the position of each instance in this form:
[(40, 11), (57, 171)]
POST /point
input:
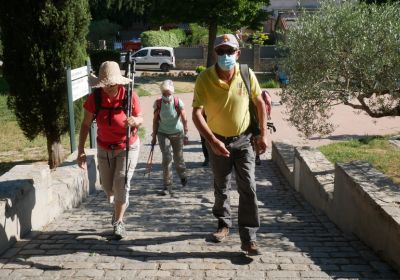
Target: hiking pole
[(128, 114), (149, 162)]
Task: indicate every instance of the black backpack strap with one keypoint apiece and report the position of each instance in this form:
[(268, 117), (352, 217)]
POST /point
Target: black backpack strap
[(244, 72), (97, 101)]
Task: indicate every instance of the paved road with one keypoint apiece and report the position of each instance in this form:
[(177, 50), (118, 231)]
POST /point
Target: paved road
[(169, 237)]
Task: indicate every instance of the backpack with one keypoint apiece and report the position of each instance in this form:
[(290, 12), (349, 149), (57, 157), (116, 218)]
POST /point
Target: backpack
[(98, 107), (176, 106), (254, 126)]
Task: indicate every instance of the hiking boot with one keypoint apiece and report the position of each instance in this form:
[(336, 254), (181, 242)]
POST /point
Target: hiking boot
[(220, 234), (119, 230), (184, 181), (258, 160), (251, 248)]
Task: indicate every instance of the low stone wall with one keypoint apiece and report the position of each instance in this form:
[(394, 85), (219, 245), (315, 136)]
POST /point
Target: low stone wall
[(32, 195), (355, 196), (189, 64)]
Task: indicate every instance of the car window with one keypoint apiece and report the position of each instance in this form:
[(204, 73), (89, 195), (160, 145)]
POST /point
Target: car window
[(141, 53), (160, 52)]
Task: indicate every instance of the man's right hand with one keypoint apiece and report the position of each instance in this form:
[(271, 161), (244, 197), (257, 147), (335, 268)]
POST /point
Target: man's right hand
[(219, 148)]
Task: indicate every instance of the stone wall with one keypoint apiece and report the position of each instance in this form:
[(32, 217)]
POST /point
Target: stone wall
[(32, 195), (355, 196)]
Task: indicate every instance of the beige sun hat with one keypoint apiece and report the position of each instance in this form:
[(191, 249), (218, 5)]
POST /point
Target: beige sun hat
[(109, 74)]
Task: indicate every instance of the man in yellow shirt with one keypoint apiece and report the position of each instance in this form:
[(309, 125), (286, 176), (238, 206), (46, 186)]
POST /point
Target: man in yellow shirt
[(221, 93)]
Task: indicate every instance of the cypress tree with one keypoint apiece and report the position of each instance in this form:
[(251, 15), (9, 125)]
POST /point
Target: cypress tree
[(41, 38)]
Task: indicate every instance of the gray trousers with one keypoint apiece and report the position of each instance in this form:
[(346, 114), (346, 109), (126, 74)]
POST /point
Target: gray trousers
[(241, 160), (171, 144)]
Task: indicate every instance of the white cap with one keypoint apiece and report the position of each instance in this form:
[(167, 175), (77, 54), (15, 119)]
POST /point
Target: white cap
[(167, 85)]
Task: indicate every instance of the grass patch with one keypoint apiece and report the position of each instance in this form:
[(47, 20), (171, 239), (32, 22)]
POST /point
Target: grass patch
[(375, 149), (142, 92), (264, 79)]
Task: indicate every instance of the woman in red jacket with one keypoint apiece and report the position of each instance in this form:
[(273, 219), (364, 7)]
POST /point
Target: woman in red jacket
[(108, 105)]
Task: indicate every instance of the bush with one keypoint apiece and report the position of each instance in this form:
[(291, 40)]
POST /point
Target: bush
[(200, 69), (159, 38), (97, 57), (180, 35)]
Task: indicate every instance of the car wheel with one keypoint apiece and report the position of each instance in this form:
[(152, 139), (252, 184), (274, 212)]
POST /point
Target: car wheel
[(165, 67)]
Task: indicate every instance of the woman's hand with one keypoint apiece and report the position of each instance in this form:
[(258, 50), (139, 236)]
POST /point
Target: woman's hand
[(132, 121), (82, 160)]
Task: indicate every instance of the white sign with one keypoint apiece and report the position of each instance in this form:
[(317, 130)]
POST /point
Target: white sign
[(79, 73), (80, 87)]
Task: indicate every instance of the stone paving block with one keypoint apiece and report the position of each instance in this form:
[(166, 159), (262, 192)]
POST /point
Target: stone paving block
[(295, 267), (140, 266), (314, 274), (173, 266), (220, 273), (78, 265), (89, 273), (202, 266), (108, 265), (26, 272), (283, 274), (153, 273)]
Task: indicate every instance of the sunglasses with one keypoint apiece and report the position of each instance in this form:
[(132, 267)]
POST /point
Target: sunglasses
[(225, 51)]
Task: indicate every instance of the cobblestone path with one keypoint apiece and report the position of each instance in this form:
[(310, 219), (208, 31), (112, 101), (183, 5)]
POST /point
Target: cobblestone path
[(168, 238)]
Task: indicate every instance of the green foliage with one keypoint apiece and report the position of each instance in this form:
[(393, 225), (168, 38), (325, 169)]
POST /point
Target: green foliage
[(1, 49), (180, 34), (231, 14), (198, 36), (97, 57), (159, 38), (200, 69), (123, 12), (374, 149), (102, 30), (259, 38), (3, 86), (335, 56), (51, 36)]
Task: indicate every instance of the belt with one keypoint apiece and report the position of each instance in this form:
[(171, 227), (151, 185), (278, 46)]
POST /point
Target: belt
[(230, 138)]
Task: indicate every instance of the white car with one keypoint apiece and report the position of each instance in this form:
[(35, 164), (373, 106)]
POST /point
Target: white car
[(153, 58)]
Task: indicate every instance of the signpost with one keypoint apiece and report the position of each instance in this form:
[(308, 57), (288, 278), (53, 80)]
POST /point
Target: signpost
[(78, 87)]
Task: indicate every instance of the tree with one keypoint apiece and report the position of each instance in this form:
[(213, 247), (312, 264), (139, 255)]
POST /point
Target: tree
[(232, 14), (41, 38), (345, 53), (123, 12)]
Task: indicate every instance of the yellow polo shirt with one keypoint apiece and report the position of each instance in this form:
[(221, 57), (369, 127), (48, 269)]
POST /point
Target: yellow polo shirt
[(226, 106)]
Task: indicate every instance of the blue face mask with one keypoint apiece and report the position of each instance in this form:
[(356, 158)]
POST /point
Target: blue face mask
[(226, 62)]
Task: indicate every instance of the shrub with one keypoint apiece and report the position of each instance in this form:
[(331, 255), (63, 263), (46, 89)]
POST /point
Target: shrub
[(97, 57), (180, 35), (159, 38), (200, 69)]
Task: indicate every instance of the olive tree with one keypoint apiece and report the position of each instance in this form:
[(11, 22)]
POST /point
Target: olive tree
[(347, 53), (41, 38)]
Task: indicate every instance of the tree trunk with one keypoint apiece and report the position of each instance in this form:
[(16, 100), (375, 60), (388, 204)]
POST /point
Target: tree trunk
[(212, 33), (55, 151)]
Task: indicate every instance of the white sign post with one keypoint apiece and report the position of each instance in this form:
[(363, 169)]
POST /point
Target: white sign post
[(78, 87)]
